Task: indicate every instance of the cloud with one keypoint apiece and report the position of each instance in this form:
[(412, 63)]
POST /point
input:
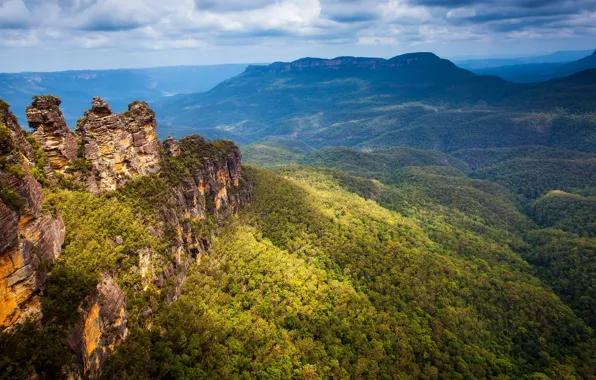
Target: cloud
[(114, 15), (231, 5), (288, 26), (14, 15)]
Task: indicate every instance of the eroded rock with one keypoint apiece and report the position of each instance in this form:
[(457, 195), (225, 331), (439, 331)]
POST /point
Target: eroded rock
[(31, 237), (102, 328), (52, 133), (172, 145), (119, 147)]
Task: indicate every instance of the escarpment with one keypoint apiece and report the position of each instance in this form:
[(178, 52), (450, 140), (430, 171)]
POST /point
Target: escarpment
[(123, 220), (102, 327), (30, 237)]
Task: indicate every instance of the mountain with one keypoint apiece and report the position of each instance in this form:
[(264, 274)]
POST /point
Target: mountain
[(120, 87), (556, 57), (416, 100), (541, 71), (130, 257)]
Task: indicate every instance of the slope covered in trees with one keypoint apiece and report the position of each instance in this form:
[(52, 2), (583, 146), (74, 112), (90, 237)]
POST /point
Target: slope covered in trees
[(315, 281), (414, 100)]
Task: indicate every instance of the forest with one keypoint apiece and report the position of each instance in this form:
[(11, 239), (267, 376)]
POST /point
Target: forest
[(398, 237)]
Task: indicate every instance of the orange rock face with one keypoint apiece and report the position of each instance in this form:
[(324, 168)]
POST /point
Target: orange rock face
[(56, 139), (92, 330), (31, 237), (102, 328), (119, 147)]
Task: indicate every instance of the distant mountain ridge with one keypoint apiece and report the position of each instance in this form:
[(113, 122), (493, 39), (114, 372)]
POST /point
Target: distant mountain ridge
[(556, 57), (539, 72), (409, 59), (417, 100), (585, 63), (411, 67), (120, 86)]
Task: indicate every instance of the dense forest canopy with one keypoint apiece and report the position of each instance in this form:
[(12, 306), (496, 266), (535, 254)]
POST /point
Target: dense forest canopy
[(390, 219)]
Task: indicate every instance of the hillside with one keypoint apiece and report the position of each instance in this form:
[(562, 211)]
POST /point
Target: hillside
[(556, 57), (314, 281), (171, 259), (99, 229), (539, 72), (414, 100)]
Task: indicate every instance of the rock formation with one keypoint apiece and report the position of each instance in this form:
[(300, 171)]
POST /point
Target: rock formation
[(102, 328), (172, 145), (31, 238), (51, 131), (119, 147), (204, 186), (213, 188)]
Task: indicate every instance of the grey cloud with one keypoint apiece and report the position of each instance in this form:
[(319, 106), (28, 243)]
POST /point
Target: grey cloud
[(511, 25), (150, 25), (111, 24), (508, 3), (231, 5), (354, 17), (513, 15), (350, 11), (14, 15)]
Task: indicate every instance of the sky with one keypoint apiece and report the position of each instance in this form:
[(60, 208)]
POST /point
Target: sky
[(50, 35)]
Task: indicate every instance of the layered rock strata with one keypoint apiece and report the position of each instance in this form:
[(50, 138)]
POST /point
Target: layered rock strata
[(115, 149), (52, 133), (30, 237), (119, 147), (214, 188), (102, 328)]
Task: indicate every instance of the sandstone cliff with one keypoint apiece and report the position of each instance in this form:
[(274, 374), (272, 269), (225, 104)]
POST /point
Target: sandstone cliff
[(102, 328), (30, 236), (191, 187), (52, 133), (119, 147)]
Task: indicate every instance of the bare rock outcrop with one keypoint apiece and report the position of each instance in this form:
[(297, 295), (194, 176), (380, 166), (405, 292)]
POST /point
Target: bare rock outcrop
[(9, 121), (204, 186), (52, 133), (31, 237), (211, 189), (119, 147), (102, 328), (172, 145)]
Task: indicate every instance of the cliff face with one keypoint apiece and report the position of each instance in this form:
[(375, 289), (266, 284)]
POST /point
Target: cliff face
[(102, 328), (354, 63), (31, 237), (119, 147), (51, 131), (200, 185), (212, 188)]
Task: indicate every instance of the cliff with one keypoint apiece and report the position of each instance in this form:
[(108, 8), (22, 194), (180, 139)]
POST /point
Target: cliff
[(31, 236), (51, 132), (119, 147), (176, 194), (410, 61)]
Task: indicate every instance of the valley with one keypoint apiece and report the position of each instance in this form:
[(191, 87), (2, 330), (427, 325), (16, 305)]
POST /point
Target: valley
[(358, 218)]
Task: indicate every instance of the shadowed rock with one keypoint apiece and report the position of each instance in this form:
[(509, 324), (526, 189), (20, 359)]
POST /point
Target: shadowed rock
[(30, 237), (56, 139), (172, 145)]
